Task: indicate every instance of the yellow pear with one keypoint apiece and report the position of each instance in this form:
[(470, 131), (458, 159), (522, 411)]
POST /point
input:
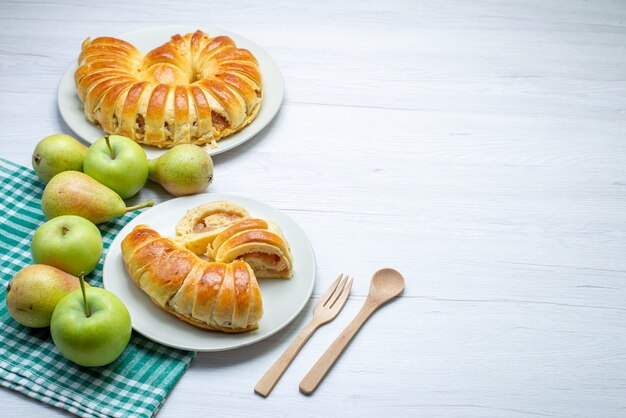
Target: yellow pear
[(75, 193), (35, 291)]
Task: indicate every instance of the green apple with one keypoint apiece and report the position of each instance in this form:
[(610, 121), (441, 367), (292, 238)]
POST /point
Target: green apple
[(57, 153), (119, 163), (91, 326), (34, 292), (70, 243)]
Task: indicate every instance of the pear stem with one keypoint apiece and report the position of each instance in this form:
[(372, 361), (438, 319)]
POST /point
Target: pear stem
[(140, 206), (106, 139), (81, 277)]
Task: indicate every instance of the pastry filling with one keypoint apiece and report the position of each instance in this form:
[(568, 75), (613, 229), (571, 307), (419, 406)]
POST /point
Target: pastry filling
[(215, 220), (272, 259), (219, 121), (141, 123), (265, 264), (200, 227)]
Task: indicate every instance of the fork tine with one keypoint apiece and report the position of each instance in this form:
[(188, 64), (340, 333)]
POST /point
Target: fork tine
[(336, 291), (342, 297), (332, 298), (329, 291)]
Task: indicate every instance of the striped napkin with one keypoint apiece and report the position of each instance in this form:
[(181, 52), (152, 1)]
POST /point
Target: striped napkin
[(135, 385)]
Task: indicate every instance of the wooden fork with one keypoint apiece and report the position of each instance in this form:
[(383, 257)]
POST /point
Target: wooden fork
[(326, 309)]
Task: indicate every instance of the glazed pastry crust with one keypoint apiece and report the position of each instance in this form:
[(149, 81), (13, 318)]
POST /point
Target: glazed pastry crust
[(211, 295), (193, 89)]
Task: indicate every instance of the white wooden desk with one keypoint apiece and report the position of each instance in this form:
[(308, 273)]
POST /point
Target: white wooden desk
[(479, 147)]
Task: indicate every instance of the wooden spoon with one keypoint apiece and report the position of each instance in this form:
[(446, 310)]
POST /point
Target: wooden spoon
[(385, 285)]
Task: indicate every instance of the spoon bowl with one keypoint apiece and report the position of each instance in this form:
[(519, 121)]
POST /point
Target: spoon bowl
[(385, 285)]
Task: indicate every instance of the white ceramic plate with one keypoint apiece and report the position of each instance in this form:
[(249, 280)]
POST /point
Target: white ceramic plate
[(146, 39), (282, 299)]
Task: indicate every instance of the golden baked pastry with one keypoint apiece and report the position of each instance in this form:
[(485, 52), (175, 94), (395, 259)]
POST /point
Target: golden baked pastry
[(192, 89), (214, 296), (199, 227), (259, 243), (225, 232)]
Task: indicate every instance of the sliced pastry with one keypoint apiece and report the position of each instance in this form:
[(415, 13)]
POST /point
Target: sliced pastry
[(199, 227), (259, 243), (211, 295)]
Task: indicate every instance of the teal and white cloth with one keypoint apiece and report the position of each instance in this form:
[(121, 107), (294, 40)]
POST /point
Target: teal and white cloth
[(135, 385)]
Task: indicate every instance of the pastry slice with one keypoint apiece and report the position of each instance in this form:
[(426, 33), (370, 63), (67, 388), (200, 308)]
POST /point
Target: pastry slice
[(199, 227), (259, 243)]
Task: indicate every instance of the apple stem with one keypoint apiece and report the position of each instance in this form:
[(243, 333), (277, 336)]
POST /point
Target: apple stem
[(64, 229), (140, 206), (81, 277), (106, 139)]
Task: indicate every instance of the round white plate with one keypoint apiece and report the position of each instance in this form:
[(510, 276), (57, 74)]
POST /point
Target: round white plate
[(283, 299), (146, 39)]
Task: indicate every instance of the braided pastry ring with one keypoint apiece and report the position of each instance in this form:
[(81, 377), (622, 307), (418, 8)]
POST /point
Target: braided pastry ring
[(192, 89)]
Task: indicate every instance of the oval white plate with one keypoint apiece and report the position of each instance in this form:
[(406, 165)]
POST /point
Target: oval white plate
[(146, 39), (282, 299)]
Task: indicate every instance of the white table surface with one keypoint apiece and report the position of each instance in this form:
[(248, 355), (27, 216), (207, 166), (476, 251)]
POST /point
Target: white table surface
[(479, 147)]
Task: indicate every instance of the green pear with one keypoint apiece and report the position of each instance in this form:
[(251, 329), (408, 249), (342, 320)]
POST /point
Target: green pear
[(183, 170), (35, 291), (57, 153), (75, 193)]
